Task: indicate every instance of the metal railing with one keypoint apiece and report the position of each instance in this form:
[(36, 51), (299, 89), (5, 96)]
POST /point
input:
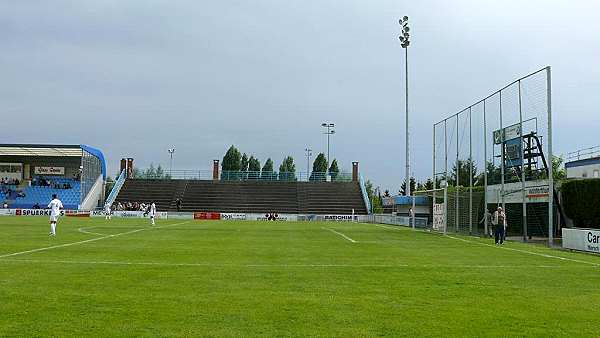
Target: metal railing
[(252, 176), (583, 154), (116, 188), (365, 196)]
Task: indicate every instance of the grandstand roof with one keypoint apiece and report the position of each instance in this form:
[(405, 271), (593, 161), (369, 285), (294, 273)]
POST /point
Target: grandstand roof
[(40, 150), (52, 150)]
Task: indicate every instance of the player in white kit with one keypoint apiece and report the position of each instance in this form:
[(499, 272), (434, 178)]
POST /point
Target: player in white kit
[(152, 212), (55, 206), (107, 212)]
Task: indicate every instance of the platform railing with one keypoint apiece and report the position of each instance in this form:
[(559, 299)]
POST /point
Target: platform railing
[(228, 176)]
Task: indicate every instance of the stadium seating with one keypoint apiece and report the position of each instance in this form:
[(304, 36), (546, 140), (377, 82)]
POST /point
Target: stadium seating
[(247, 196), (161, 192), (43, 194)]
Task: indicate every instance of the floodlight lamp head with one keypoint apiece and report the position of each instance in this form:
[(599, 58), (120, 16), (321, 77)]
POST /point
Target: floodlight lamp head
[(333, 132), (323, 124), (401, 38), (405, 18), (405, 29)]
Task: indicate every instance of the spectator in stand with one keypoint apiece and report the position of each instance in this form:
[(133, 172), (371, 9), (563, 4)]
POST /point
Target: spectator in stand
[(21, 194), (5, 205), (36, 206), (178, 204)]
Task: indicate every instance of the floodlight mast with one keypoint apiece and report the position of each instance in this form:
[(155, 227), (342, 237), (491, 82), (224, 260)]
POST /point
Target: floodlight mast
[(404, 43), (171, 152), (329, 132), (308, 155)]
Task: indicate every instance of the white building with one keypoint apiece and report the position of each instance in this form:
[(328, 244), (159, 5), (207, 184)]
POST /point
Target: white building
[(584, 163)]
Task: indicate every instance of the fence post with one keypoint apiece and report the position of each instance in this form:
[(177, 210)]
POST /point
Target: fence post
[(550, 170), (523, 194)]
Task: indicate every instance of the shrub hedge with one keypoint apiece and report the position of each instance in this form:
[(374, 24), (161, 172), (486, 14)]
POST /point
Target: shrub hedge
[(581, 202)]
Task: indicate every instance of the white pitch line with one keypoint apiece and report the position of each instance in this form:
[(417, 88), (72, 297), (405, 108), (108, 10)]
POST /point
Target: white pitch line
[(525, 251), (341, 234), (168, 264), (85, 241), (83, 230), (505, 248)]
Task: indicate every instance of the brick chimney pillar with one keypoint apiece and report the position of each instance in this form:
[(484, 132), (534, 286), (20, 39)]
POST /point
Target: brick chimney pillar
[(354, 171), (123, 164), (215, 170), (129, 172)]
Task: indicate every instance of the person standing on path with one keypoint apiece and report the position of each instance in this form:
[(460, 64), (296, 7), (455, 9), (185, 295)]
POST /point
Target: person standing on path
[(499, 222)]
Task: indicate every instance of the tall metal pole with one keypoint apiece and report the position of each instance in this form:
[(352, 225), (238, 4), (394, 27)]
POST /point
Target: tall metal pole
[(485, 173), (445, 176), (550, 169), (308, 154), (522, 154), (328, 133), (456, 220), (407, 174), (433, 173), (171, 151), (502, 159), (470, 172)]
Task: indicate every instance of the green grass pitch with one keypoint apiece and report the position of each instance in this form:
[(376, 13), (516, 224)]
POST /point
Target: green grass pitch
[(268, 279)]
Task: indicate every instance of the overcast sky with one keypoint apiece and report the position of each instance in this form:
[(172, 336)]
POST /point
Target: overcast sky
[(135, 78)]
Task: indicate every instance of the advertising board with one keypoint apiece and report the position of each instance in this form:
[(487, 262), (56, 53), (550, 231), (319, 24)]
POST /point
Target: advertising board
[(272, 217), (49, 170), (340, 218), (581, 239), (230, 216), (207, 215)]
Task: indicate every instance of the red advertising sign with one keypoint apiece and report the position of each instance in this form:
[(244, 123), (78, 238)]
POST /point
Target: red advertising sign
[(207, 215)]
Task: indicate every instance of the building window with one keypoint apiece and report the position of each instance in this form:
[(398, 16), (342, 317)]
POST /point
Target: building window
[(584, 175), (596, 173)]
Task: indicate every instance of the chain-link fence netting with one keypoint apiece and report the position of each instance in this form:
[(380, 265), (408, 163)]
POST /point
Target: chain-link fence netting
[(498, 152)]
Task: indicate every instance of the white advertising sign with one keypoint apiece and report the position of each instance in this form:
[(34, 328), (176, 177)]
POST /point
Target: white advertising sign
[(439, 221), (7, 212), (49, 170), (131, 214), (180, 215), (271, 217), (535, 192), (581, 239), (340, 218), (230, 216)]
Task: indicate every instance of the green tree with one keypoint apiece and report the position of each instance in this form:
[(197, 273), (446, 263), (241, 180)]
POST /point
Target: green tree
[(244, 166), (160, 173), (334, 171), (428, 184), (244, 163), (137, 173), (267, 170), (462, 168), (150, 172), (287, 169), (319, 168), (558, 169), (413, 183), (253, 168), (231, 160), (231, 164)]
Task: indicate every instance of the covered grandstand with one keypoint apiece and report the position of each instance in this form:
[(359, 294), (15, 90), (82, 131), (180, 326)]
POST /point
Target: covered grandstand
[(31, 173)]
